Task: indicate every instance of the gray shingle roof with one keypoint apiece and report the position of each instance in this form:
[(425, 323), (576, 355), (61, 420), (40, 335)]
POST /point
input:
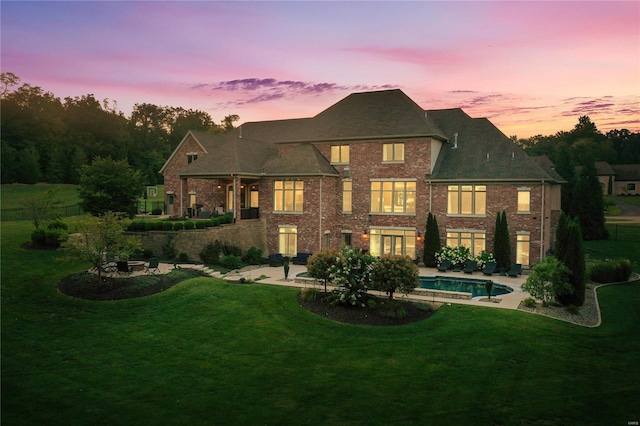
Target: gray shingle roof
[(624, 172), (482, 153), (251, 149)]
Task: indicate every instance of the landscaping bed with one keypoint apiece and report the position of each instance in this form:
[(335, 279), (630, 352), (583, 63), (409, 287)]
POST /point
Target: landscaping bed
[(85, 285), (367, 316)]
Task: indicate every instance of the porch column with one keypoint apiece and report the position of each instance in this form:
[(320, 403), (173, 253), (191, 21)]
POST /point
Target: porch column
[(236, 198)]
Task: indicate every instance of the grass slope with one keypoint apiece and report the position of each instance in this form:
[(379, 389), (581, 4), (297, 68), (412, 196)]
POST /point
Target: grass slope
[(209, 352)]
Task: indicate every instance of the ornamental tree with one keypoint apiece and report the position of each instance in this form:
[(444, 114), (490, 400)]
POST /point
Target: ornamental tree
[(393, 272), (573, 258), (320, 263), (548, 280), (431, 242), (98, 236), (352, 274)]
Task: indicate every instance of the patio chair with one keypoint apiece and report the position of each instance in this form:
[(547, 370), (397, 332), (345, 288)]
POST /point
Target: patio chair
[(516, 269), (490, 269), (152, 267), (471, 266), (123, 267), (276, 259), (110, 264), (444, 265)]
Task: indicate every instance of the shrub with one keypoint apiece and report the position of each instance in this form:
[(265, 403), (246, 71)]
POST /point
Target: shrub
[(253, 256), (529, 302), (167, 226), (178, 226), (201, 224), (38, 237), (231, 262), (483, 258), (392, 309), (458, 255), (391, 272), (230, 249), (320, 263), (149, 226), (548, 280), (213, 222), (310, 293), (183, 257), (169, 248), (210, 254), (57, 224), (54, 237), (352, 274), (156, 212), (611, 271), (189, 225), (573, 310)]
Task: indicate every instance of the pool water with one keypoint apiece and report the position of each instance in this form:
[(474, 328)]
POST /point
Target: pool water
[(466, 285)]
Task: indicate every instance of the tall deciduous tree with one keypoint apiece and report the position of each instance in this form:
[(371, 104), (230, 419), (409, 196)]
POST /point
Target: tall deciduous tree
[(110, 186)]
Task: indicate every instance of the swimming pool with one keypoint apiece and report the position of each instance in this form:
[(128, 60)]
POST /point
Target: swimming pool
[(465, 285)]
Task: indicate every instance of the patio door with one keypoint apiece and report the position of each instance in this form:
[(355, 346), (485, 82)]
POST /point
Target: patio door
[(392, 244)]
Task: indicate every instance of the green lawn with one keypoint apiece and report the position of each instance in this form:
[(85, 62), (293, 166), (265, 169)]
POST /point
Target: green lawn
[(209, 352)]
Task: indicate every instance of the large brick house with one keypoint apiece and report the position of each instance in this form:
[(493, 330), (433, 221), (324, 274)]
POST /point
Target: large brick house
[(366, 172)]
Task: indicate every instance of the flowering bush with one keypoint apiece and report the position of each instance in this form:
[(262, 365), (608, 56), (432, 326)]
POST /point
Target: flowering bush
[(483, 258), (351, 272), (457, 256)]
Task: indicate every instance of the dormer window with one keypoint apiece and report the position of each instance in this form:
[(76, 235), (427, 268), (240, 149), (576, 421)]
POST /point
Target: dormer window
[(191, 157)]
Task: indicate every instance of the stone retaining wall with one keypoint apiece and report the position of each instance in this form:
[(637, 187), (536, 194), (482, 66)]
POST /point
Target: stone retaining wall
[(244, 234)]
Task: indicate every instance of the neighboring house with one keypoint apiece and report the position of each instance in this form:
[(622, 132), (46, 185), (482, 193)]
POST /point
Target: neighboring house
[(618, 179), (627, 179), (365, 173)]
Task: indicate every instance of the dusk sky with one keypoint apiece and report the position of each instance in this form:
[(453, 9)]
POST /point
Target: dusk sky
[(530, 67)]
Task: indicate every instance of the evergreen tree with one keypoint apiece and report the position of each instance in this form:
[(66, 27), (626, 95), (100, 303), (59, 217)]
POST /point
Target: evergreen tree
[(589, 206), (565, 168), (573, 258), (506, 238), (561, 234), (431, 242), (28, 170)]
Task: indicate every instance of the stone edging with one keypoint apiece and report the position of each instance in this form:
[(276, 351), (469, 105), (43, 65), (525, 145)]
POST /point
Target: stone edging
[(634, 277)]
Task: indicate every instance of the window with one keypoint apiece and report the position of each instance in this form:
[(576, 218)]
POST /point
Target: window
[(393, 241), (631, 187), (392, 152), (289, 195), (347, 192), (340, 154), (288, 240), (346, 238), (393, 196), (191, 157), (192, 199), (524, 200), (523, 244), (327, 239), (467, 200), (473, 240)]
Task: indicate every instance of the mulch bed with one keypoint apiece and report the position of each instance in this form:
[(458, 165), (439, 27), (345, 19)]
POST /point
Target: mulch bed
[(363, 316)]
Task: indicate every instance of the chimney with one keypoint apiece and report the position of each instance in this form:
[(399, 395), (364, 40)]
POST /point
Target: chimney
[(455, 140)]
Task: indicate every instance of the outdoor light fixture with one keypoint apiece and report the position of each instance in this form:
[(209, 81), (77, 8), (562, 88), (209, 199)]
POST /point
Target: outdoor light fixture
[(419, 237), (365, 235)]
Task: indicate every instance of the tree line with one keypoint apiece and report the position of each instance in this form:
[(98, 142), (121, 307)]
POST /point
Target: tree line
[(46, 139)]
